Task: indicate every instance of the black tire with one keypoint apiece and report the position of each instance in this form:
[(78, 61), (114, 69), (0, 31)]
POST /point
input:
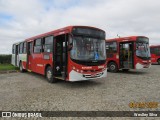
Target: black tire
[(125, 70), (112, 67), (158, 61), (21, 67), (49, 75)]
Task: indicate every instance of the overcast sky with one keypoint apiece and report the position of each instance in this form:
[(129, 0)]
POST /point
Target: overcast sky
[(20, 19)]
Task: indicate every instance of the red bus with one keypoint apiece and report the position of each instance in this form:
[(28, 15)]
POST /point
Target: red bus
[(71, 53), (128, 53), (155, 53)]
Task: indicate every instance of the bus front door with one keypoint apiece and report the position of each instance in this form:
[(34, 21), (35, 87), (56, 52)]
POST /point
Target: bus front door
[(60, 57), (126, 55)]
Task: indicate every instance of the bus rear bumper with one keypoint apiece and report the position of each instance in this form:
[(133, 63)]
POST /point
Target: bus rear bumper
[(75, 76)]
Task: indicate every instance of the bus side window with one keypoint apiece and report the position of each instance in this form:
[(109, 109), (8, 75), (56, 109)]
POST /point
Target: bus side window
[(157, 51), (24, 47), (21, 48), (111, 47), (48, 44), (37, 46), (30, 48), (13, 49), (151, 49)]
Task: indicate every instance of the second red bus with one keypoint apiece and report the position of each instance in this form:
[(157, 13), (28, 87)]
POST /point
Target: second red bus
[(128, 53), (155, 54)]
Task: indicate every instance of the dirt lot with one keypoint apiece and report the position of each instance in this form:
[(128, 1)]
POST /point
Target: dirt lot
[(29, 91)]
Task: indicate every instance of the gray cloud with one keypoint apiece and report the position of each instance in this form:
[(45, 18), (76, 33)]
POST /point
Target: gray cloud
[(123, 17)]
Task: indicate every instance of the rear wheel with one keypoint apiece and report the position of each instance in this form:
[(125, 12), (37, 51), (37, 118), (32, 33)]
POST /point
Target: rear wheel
[(112, 67), (159, 61), (49, 75)]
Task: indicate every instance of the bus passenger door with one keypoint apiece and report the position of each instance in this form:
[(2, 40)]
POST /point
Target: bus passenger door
[(29, 55), (126, 55), (60, 57)]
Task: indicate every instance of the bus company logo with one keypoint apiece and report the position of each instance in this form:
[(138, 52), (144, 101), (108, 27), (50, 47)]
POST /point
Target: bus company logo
[(21, 114), (6, 114)]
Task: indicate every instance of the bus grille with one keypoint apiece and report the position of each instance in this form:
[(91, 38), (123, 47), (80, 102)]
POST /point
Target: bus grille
[(93, 76)]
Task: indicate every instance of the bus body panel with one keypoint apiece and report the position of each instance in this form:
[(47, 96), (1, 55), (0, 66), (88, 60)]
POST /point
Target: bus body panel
[(76, 76), (13, 59), (154, 58), (23, 59), (77, 72)]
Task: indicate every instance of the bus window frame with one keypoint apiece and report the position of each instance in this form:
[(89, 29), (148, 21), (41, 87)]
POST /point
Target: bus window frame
[(21, 49), (111, 51), (43, 44), (34, 45)]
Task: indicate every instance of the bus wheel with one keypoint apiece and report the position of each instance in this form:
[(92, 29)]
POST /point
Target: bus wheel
[(125, 70), (112, 67), (21, 67), (49, 75), (159, 61)]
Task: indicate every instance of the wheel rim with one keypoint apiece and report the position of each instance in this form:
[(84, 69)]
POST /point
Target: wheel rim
[(49, 75), (112, 67)]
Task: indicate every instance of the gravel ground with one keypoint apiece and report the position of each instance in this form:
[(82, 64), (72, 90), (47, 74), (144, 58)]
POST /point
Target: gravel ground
[(30, 91)]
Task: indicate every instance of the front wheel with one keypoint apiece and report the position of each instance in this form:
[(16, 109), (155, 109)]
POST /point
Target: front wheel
[(112, 67), (49, 75), (159, 61)]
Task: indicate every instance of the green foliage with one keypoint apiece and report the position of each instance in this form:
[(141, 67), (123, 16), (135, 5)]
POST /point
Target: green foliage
[(5, 59), (7, 67)]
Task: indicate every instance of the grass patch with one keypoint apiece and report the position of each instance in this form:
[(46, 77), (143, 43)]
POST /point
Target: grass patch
[(4, 67)]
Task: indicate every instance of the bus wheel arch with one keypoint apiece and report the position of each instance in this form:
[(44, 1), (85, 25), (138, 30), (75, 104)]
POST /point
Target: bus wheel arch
[(112, 66), (47, 65), (49, 74)]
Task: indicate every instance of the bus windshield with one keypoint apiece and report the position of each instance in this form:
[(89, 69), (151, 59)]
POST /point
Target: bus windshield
[(88, 49), (142, 50)]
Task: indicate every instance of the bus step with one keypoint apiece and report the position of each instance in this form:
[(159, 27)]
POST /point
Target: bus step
[(60, 78)]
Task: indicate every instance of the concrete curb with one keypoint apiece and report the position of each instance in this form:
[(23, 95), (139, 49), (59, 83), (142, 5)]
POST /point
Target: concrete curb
[(8, 71)]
